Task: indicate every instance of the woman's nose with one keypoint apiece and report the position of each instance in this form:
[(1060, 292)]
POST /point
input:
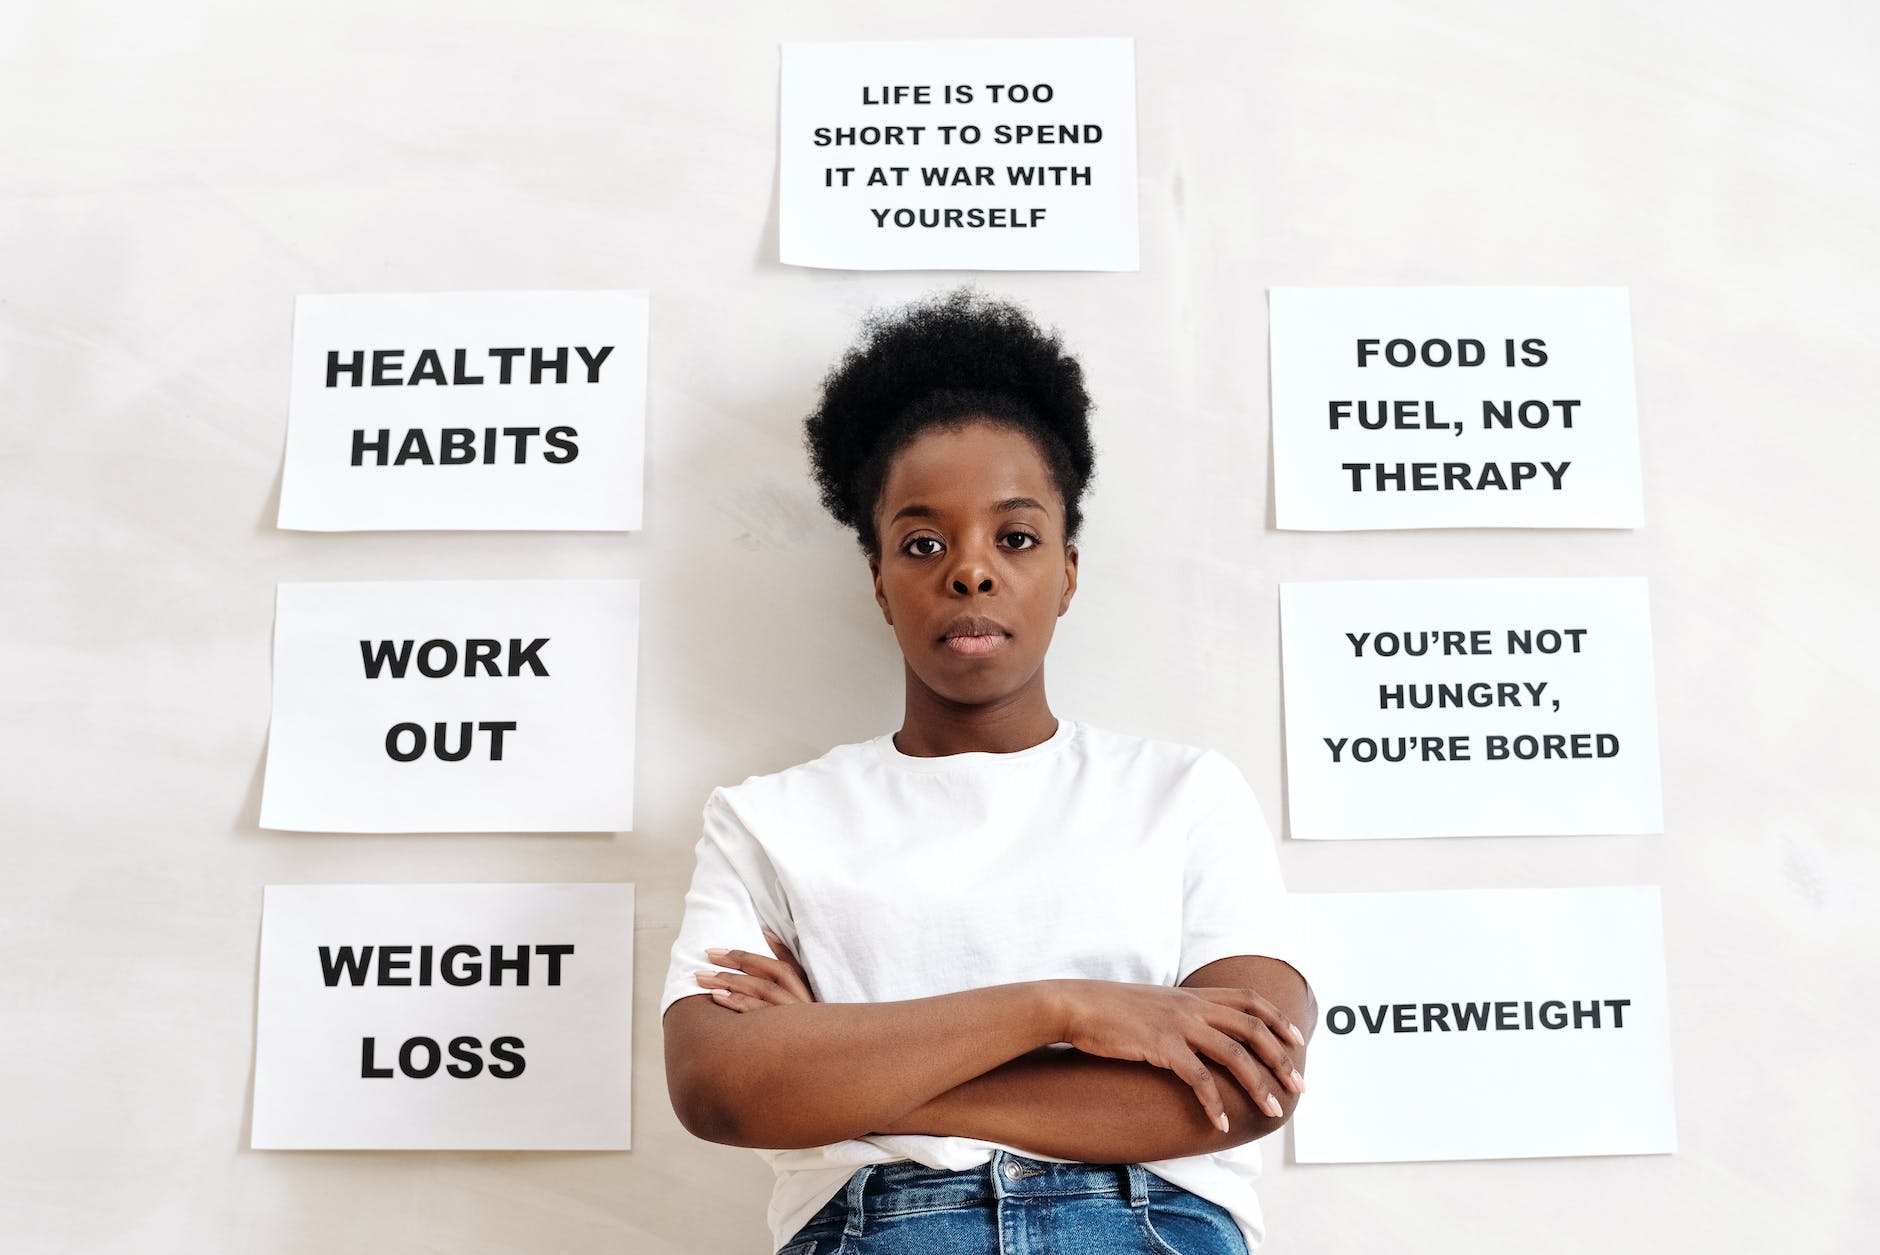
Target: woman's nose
[(972, 572)]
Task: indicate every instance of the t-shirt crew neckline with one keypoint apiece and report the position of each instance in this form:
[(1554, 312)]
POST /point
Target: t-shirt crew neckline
[(891, 755)]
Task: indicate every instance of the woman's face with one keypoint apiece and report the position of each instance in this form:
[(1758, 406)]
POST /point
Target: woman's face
[(973, 571)]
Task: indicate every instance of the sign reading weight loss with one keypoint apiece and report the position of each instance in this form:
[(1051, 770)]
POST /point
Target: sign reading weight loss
[(462, 1017), (961, 154), (479, 410), (1454, 407), (453, 706), (1485, 1024), (1428, 708)]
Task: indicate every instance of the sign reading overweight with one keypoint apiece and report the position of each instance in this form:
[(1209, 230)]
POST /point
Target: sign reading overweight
[(453, 706), (1485, 1024), (479, 410), (1428, 708), (962, 154), (1454, 407), (461, 1017)]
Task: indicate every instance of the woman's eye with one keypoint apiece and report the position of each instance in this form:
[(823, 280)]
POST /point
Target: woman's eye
[(922, 540), (1032, 541)]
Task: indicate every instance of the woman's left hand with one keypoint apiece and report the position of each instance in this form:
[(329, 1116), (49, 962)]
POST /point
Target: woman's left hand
[(760, 981)]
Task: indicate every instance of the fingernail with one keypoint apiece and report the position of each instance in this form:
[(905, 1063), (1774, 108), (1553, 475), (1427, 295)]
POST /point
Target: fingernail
[(702, 974), (1299, 1082), (1271, 1103), (1223, 1122), (726, 993), (718, 956), (1299, 1038)]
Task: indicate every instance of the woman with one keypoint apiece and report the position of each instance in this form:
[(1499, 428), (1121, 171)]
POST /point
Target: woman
[(998, 981)]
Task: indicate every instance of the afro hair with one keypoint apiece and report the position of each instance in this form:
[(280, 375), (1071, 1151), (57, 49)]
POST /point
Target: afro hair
[(944, 360)]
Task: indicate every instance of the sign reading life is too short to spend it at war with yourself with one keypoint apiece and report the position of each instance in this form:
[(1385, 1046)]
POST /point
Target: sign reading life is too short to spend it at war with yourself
[(462, 1017), (1485, 1024), (1428, 708), (1454, 407), (967, 154), (453, 706), (467, 410)]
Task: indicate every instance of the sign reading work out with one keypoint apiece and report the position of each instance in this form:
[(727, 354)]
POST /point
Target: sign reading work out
[(465, 1017), (1453, 407), (962, 154), (1485, 1024), (453, 706), (467, 410), (1494, 707)]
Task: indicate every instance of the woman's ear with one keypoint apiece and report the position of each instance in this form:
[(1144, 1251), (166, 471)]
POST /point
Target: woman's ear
[(881, 598), (1070, 579)]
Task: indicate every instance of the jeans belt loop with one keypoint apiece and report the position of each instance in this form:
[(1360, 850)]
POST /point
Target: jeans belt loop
[(1138, 1185), (856, 1183)]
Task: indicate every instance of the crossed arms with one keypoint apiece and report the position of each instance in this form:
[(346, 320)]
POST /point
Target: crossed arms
[(967, 1064)]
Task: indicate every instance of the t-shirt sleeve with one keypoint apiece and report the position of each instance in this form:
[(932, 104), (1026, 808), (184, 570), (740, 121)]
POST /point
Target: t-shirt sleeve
[(1233, 899), (734, 896)]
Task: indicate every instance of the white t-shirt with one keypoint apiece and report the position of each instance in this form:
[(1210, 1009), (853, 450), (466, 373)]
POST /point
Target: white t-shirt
[(1093, 854)]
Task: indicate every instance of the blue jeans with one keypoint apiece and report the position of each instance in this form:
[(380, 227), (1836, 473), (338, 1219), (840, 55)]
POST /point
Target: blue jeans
[(1015, 1206)]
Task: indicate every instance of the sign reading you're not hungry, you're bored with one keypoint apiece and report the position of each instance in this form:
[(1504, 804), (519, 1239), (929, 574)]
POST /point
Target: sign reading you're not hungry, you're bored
[(453, 706), (456, 1016), (963, 154), (1489, 707), (467, 410), (1485, 1024), (1453, 407)]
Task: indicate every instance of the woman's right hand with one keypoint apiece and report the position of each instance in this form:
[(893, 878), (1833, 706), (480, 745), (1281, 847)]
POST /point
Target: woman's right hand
[(1173, 1027)]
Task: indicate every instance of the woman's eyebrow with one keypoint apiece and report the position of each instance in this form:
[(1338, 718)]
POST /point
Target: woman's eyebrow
[(919, 511)]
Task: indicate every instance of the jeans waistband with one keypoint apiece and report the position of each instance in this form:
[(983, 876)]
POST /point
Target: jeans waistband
[(903, 1186)]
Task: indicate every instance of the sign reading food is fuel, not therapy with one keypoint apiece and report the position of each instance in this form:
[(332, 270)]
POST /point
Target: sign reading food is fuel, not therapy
[(980, 154), (1428, 708), (1453, 407), (453, 706), (455, 1016), (467, 410), (1485, 1024)]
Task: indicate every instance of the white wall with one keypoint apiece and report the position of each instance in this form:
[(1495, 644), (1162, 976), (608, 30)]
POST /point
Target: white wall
[(173, 174)]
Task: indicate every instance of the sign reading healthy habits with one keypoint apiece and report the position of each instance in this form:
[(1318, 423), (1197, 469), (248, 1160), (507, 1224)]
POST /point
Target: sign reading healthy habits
[(453, 706), (1453, 407), (460, 1017), (964, 154), (1428, 708), (1485, 1024), (481, 410)]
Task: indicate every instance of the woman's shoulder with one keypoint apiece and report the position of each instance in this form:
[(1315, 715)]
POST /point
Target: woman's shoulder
[(832, 766), (1181, 757)]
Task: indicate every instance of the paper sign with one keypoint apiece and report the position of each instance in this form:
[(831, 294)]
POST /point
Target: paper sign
[(462, 1017), (453, 706), (1485, 1024), (1454, 407), (959, 154), (1428, 708), (482, 410)]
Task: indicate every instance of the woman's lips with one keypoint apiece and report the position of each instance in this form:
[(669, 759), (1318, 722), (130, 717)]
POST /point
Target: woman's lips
[(974, 645)]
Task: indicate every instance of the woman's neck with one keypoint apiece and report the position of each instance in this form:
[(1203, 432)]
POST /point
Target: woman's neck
[(933, 726)]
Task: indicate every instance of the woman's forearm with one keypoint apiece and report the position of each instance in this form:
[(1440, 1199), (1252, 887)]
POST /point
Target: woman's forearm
[(1077, 1106), (813, 1073)]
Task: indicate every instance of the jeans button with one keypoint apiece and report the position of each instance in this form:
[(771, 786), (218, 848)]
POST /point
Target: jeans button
[(1011, 1171)]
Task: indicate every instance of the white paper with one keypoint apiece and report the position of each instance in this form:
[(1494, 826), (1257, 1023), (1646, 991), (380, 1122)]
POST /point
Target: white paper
[(541, 1065), (1510, 707), (535, 738), (1030, 196), (1400, 975), (1567, 457), (450, 428)]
